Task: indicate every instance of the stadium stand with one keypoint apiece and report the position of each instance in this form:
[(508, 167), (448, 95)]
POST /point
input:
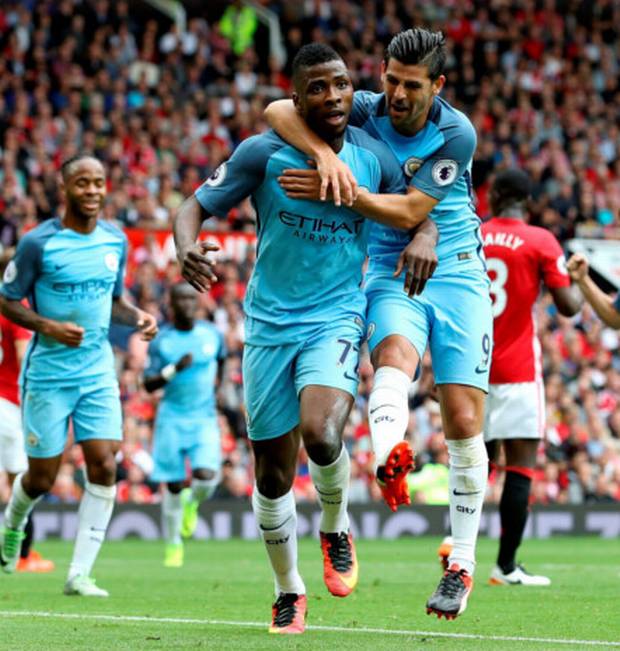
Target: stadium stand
[(163, 107)]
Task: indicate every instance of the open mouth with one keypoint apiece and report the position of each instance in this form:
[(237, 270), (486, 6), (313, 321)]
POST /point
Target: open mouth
[(397, 110), (335, 117)]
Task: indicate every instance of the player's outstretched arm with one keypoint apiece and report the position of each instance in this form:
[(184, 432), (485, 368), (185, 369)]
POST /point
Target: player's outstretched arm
[(568, 300), (601, 303), (196, 266), (333, 173), (125, 313), (66, 332), (154, 382)]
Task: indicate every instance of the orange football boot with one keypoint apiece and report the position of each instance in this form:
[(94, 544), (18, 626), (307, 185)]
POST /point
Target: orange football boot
[(35, 563), (392, 477), (288, 614), (450, 598), (340, 568)]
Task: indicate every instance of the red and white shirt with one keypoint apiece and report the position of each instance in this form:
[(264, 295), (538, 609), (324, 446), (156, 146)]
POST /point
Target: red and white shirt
[(9, 366), (519, 257)]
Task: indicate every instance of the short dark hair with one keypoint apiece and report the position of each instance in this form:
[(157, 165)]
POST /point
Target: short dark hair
[(311, 55), (511, 185), (419, 46), (66, 164)]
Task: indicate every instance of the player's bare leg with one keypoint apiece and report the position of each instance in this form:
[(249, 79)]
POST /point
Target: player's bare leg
[(94, 515), (395, 361), (273, 502), (324, 412), (462, 410), (28, 488), (513, 511)]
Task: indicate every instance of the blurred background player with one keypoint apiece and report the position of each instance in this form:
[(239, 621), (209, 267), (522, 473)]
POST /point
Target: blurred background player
[(606, 307), (71, 271), (519, 257), (435, 144), (14, 342), (305, 322), (186, 360)]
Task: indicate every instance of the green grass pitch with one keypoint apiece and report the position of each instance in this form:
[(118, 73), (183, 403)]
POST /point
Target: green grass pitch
[(221, 599)]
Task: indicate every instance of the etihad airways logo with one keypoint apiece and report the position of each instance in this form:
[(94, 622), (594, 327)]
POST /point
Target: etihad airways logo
[(326, 231)]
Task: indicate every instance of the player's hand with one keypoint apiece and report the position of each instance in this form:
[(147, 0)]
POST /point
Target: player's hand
[(184, 362), (197, 267), (67, 333), (419, 259), (302, 184), (577, 267), (147, 325), (335, 174)]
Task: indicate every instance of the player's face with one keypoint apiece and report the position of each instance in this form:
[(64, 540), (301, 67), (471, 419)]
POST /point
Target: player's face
[(85, 188), (409, 92), (324, 96), (184, 302)]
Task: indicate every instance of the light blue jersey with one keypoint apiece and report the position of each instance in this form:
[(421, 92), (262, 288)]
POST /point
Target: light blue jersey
[(69, 276), (191, 392), (310, 254), (437, 161)]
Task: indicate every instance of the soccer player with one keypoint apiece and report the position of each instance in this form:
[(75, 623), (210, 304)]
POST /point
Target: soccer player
[(71, 270), (434, 144), (14, 341), (606, 307), (305, 320), (186, 359), (519, 258)]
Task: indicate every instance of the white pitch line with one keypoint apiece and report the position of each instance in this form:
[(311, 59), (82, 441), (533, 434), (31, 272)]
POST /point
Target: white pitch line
[(334, 629)]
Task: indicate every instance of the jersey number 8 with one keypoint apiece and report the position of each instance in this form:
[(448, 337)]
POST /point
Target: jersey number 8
[(498, 283)]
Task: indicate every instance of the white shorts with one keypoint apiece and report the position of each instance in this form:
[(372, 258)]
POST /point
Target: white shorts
[(12, 453), (515, 411)]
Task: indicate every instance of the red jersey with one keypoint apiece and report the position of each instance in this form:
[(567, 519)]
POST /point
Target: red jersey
[(9, 367), (519, 257)]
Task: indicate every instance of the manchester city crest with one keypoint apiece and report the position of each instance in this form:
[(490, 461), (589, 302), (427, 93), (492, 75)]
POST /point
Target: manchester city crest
[(412, 165)]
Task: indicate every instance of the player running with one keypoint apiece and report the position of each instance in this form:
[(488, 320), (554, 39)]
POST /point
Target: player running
[(305, 320), (14, 342), (434, 144), (71, 270), (519, 258), (186, 359)]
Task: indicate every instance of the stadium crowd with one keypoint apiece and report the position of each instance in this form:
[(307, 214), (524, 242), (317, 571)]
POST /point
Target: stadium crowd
[(163, 109)]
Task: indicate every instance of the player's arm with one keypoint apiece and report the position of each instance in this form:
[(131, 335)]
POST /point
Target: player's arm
[(568, 300), (419, 257), (65, 332), (602, 304), (231, 182), (196, 266), (155, 381), (333, 173), (124, 313)]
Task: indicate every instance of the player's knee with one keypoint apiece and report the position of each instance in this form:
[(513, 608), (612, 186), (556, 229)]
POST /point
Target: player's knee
[(321, 440), (175, 487), (276, 482), (464, 423), (204, 473), (103, 470), (38, 485)]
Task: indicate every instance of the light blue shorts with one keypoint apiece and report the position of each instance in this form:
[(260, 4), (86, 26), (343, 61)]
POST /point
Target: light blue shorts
[(94, 409), (274, 376), (178, 439), (453, 316)]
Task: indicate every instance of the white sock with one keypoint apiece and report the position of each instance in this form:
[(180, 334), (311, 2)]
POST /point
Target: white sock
[(19, 507), (93, 519), (277, 523), (388, 411), (468, 478), (171, 516), (202, 489), (332, 486)]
